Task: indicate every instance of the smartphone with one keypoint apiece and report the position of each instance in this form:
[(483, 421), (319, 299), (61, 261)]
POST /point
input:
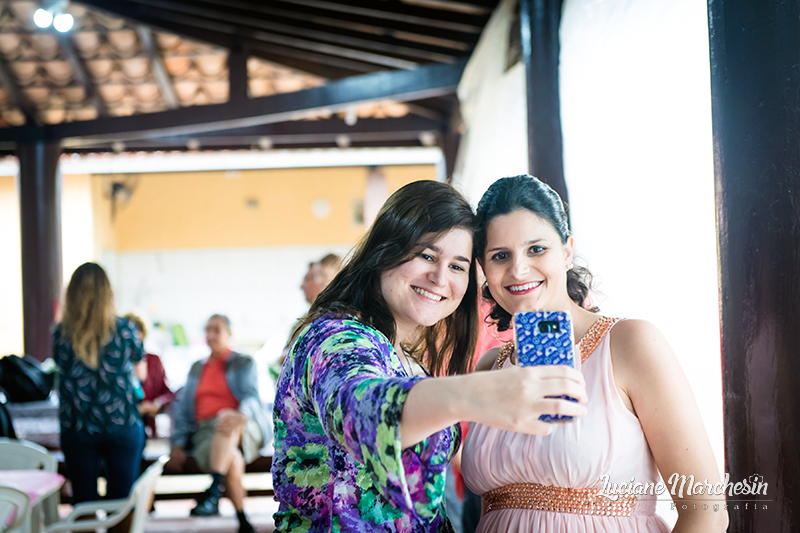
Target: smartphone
[(546, 338)]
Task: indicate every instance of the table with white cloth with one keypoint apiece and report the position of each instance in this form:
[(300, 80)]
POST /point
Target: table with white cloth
[(42, 488)]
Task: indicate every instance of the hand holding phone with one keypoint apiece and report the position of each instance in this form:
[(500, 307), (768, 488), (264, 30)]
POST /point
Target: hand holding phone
[(546, 338)]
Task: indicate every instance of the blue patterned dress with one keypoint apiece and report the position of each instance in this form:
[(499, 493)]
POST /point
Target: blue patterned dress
[(338, 463), (98, 400)]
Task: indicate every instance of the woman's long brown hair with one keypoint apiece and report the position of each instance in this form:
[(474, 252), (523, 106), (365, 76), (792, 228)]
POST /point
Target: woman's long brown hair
[(88, 319), (422, 211)]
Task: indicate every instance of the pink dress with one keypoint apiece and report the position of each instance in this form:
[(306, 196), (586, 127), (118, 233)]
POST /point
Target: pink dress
[(607, 441)]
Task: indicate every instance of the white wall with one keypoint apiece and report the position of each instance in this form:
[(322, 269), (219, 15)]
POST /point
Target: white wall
[(77, 245), (636, 118), (10, 270), (258, 288), (494, 111)]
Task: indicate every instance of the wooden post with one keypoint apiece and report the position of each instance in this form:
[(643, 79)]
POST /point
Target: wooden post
[(539, 24), (755, 84), (40, 224)]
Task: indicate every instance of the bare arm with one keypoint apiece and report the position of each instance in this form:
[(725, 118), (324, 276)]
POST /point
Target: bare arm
[(140, 370), (648, 374), (511, 400)]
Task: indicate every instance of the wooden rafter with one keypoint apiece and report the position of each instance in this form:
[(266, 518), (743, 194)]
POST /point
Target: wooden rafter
[(237, 74), (289, 134), (81, 73), (247, 28), (358, 26), (390, 11), (160, 73), (248, 17), (226, 35), (397, 31), (425, 82)]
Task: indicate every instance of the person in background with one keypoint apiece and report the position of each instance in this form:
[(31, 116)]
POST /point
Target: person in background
[(157, 394), (218, 410), (318, 276), (95, 352)]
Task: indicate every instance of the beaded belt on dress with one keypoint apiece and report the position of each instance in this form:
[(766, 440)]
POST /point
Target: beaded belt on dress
[(558, 499)]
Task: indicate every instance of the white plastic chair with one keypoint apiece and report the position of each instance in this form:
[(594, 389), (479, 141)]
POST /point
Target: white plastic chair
[(116, 510), (26, 455), (12, 500)]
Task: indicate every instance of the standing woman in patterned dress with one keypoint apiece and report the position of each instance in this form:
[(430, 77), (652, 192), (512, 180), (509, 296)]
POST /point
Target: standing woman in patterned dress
[(363, 433), (96, 351)]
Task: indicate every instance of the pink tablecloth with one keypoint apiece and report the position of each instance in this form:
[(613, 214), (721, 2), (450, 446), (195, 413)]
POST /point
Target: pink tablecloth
[(37, 484)]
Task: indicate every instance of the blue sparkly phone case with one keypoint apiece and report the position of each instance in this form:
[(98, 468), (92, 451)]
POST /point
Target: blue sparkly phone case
[(545, 338)]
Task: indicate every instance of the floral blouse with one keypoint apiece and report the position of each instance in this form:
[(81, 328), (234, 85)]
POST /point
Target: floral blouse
[(98, 400), (338, 463)]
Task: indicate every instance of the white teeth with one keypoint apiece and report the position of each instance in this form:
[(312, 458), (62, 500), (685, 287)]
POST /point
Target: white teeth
[(525, 287), (427, 294)]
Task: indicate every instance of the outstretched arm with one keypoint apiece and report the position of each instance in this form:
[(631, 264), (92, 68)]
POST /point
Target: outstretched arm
[(649, 376), (512, 400)]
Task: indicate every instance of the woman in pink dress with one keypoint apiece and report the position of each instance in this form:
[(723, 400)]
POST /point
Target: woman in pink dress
[(642, 416)]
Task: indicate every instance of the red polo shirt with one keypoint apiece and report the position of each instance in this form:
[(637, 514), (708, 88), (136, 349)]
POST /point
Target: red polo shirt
[(213, 393)]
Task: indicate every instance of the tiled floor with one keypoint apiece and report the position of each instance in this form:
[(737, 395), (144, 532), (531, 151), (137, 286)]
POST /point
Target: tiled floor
[(172, 516)]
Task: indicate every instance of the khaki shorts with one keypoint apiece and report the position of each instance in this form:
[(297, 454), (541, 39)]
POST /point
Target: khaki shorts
[(201, 442)]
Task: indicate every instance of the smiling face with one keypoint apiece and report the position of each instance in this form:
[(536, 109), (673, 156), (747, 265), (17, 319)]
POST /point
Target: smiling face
[(526, 263), (429, 287)]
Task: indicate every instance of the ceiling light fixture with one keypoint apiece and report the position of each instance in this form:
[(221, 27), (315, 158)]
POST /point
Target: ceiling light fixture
[(53, 13), (42, 18)]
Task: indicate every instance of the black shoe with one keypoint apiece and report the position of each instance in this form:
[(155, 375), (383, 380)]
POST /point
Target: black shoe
[(246, 527), (207, 505)]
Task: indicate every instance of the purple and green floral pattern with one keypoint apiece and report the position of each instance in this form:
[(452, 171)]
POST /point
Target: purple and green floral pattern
[(338, 463)]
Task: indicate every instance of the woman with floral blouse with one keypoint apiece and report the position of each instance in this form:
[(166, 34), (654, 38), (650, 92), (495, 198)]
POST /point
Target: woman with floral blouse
[(363, 433)]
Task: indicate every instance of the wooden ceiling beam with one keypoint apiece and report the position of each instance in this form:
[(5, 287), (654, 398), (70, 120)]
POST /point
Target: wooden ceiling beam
[(468, 8), (238, 89), (442, 41), (397, 13), (81, 73), (265, 31), (309, 62), (163, 79), (220, 21), (332, 68), (323, 131), (425, 82), (263, 18)]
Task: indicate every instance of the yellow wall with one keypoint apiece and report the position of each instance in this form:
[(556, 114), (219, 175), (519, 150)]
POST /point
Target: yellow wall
[(210, 209), (188, 210), (10, 269), (76, 248)]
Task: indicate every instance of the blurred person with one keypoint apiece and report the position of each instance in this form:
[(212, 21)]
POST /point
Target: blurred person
[(217, 412), (95, 352), (319, 274), (157, 394)]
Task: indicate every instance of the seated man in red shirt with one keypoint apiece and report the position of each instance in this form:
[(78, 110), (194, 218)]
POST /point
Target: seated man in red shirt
[(218, 410)]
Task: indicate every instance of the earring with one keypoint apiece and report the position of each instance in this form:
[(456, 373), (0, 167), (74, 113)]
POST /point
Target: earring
[(570, 266)]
